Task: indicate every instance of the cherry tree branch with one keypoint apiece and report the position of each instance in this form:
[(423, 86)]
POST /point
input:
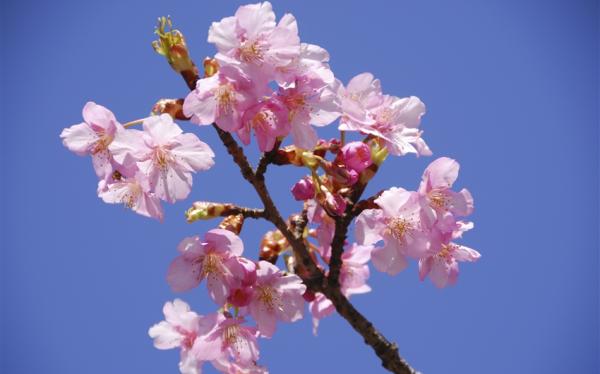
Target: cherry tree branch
[(306, 268)]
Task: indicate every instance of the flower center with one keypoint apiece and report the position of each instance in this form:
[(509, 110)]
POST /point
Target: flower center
[(211, 264), (162, 158), (251, 51), (102, 143), (130, 198), (269, 298), (230, 335), (260, 121), (438, 200), (446, 252), (225, 99), (400, 227)]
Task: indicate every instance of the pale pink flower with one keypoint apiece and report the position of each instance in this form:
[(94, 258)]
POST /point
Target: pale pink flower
[(398, 223), (180, 329), (232, 367), (165, 154), (223, 97), (304, 189), (326, 225), (309, 100), (312, 60), (355, 271), (268, 119), (208, 259), (441, 203), (276, 297), (320, 308), (359, 99), (132, 189), (252, 40), (357, 156), (353, 280), (442, 267), (93, 136), (395, 120), (228, 338), (244, 277)]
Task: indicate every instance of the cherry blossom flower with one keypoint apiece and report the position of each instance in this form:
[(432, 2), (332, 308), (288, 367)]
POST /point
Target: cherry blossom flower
[(180, 329), (359, 99), (165, 154), (398, 223), (357, 156), (442, 267), (210, 259), (228, 338), (276, 297), (130, 187), (309, 100), (223, 98), (443, 204), (244, 277), (311, 60), (394, 120), (252, 40), (231, 367), (353, 280), (93, 137), (268, 119)]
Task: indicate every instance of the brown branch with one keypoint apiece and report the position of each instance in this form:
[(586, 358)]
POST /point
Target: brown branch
[(266, 159), (204, 210), (384, 349), (306, 268)]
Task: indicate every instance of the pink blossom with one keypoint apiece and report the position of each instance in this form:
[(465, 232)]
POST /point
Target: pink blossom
[(268, 119), (165, 154), (357, 156), (231, 367), (228, 338), (180, 329), (276, 297), (359, 99), (130, 187), (93, 136), (309, 100), (394, 120), (326, 225), (312, 60), (320, 308), (398, 223), (208, 259), (442, 267), (244, 277), (252, 40), (304, 189), (223, 97), (443, 204), (353, 280)]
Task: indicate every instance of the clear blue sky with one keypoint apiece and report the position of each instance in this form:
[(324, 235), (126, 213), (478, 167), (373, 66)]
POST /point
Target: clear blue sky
[(512, 93)]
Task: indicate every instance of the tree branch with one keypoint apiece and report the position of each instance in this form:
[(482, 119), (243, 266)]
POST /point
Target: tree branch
[(311, 275)]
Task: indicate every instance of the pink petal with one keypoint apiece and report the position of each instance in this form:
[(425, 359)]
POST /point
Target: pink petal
[(256, 19), (183, 275), (369, 226), (223, 34), (162, 129), (98, 117), (79, 138), (193, 154), (388, 259), (392, 201), (442, 173), (165, 336), (225, 241)]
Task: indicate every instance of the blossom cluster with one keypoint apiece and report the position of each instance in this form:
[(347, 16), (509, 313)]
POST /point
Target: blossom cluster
[(264, 82), (138, 168)]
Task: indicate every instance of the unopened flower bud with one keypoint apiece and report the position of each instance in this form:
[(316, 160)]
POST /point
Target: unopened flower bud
[(357, 156), (204, 210), (271, 245), (233, 223), (333, 203), (304, 189), (309, 296), (211, 67), (171, 44), (172, 107)]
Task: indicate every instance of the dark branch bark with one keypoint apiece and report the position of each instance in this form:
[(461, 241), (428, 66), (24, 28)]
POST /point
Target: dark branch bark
[(306, 268)]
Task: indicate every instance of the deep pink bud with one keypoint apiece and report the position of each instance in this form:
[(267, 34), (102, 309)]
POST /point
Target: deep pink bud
[(357, 156), (303, 189), (240, 297)]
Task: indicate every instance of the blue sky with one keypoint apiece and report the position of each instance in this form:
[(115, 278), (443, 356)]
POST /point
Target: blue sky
[(511, 89)]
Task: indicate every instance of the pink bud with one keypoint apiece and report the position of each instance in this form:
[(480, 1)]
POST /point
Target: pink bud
[(357, 156), (303, 189)]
